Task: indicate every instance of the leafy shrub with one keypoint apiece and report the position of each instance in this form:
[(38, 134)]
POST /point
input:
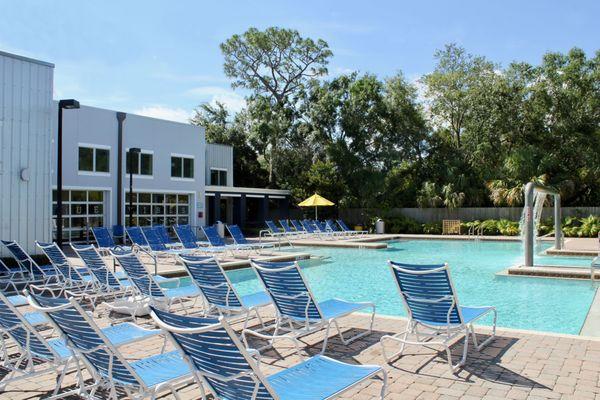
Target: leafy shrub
[(571, 226), (434, 228), (508, 228), (401, 224), (490, 227)]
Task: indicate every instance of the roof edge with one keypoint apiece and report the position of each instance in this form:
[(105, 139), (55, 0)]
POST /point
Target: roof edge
[(28, 59)]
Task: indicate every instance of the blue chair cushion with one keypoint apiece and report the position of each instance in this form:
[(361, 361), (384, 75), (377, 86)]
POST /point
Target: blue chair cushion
[(127, 333), (183, 291), (161, 368), (17, 300), (118, 335), (334, 308), (472, 313), (125, 284), (60, 347), (469, 314), (35, 318), (318, 377), (255, 299), (120, 275)]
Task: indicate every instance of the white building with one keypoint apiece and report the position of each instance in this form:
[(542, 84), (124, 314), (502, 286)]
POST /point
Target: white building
[(177, 177)]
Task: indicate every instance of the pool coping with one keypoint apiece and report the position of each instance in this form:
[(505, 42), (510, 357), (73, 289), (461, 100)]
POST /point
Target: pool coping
[(512, 330)]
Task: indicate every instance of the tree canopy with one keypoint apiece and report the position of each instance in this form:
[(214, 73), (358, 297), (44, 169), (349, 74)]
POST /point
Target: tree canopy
[(470, 133)]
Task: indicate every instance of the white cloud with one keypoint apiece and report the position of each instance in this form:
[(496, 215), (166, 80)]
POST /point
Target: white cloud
[(162, 112), (233, 101)]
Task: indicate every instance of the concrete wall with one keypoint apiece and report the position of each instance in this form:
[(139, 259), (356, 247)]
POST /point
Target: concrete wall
[(428, 215), (219, 156), (25, 135)]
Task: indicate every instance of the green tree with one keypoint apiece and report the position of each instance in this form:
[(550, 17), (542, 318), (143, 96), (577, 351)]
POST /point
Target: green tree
[(219, 128), (274, 64), (450, 87)]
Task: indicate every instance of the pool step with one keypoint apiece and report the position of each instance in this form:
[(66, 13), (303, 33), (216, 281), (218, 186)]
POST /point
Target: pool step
[(551, 271)]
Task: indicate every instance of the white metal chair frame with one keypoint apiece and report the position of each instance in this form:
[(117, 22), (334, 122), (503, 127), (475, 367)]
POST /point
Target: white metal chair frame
[(252, 357), (292, 328), (101, 381), (56, 364), (104, 287), (158, 301), (447, 334), (85, 290), (229, 312)]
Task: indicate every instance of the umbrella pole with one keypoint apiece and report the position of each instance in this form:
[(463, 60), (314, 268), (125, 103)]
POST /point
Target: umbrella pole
[(316, 216)]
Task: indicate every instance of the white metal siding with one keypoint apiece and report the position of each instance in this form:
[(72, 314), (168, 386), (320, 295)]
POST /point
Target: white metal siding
[(219, 156), (25, 125)]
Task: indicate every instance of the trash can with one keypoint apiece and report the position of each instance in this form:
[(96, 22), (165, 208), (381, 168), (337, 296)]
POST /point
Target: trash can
[(379, 226), (220, 228)]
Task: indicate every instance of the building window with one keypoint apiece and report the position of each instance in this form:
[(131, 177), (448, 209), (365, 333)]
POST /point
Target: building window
[(140, 164), (82, 209), (218, 177), (159, 208), (182, 167), (94, 159)]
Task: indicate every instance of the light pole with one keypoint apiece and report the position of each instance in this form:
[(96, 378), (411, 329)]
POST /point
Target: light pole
[(68, 104), (132, 151)]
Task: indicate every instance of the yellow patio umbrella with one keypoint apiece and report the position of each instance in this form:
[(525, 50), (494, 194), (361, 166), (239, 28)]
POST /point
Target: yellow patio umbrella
[(315, 201)]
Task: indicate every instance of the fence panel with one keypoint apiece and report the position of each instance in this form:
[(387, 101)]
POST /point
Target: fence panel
[(429, 215)]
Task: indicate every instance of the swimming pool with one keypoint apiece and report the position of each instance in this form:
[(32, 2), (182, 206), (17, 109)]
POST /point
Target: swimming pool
[(543, 304)]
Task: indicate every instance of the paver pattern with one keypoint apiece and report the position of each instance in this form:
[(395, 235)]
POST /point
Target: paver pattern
[(517, 365)]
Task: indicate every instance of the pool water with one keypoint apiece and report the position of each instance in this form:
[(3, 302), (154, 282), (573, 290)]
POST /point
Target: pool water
[(543, 304)]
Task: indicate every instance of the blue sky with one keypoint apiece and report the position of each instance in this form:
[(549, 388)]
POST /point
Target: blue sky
[(162, 58)]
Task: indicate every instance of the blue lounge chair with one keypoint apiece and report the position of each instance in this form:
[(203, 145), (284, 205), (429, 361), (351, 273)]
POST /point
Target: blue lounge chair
[(46, 272), (346, 229), (312, 229), (221, 296), (34, 318), (110, 283), (136, 237), (274, 232), (147, 377), (156, 245), (13, 280), (298, 226), (326, 230), (35, 354), (228, 370), (104, 240), (435, 316), (189, 240), (216, 242), (147, 285), (298, 313), (240, 240), (288, 229), (77, 282), (145, 240), (163, 233), (70, 273), (14, 273), (333, 227)]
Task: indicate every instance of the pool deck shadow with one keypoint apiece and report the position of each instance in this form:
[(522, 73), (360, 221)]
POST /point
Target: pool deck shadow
[(516, 365)]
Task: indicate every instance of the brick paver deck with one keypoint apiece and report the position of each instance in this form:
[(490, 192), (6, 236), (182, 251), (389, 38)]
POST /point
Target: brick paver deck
[(517, 365)]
